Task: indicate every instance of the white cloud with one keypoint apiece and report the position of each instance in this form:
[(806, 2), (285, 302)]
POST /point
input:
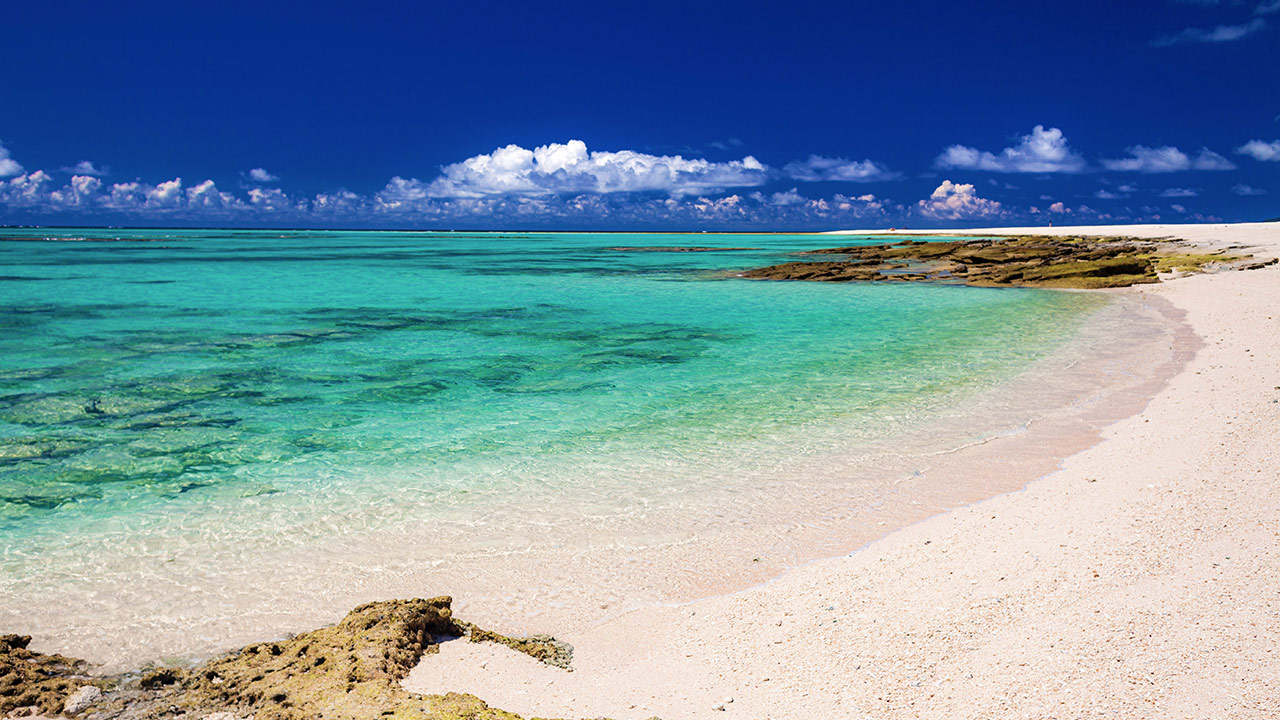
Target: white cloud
[(401, 193), (85, 185), (1261, 150), (1043, 151), (1178, 208), (166, 194), (26, 190), (271, 199), (1105, 194), (342, 202), (262, 176), (1247, 191), (1221, 33), (1267, 8), (721, 208), (207, 196), (952, 202), (569, 168), (1058, 208), (8, 166), (81, 191), (818, 169), (1167, 159), (790, 197), (1210, 160), (84, 167), (1178, 192), (124, 196), (861, 204)]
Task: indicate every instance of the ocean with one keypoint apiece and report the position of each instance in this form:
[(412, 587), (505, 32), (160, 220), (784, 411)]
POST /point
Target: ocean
[(206, 434)]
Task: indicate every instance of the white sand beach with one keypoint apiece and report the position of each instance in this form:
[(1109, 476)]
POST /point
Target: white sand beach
[(1139, 580)]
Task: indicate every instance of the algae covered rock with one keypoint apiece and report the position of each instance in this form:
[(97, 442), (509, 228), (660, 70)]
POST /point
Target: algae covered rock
[(348, 671), (543, 648), (1027, 260), (32, 680)]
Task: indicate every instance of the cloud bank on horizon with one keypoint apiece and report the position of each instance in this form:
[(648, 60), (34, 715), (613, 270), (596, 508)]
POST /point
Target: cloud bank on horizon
[(568, 183), (803, 115)]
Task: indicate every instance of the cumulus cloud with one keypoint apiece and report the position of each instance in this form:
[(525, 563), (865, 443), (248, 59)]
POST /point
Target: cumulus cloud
[(1178, 192), (272, 200), (80, 192), (1247, 191), (1167, 159), (84, 167), (342, 202), (1042, 151), (818, 169), (570, 168), (126, 196), (206, 195), (1105, 194), (1261, 150), (27, 190), (1219, 34), (8, 166), (166, 194), (953, 202), (402, 193), (262, 176)]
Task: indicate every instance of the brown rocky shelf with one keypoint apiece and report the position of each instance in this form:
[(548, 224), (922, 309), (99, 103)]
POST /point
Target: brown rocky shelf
[(1027, 260), (348, 671)]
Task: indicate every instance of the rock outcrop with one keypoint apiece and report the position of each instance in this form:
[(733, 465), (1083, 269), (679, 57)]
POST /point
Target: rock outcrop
[(43, 683), (1035, 261), (348, 671)]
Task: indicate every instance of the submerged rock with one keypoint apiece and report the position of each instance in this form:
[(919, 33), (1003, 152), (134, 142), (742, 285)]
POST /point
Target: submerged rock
[(348, 671)]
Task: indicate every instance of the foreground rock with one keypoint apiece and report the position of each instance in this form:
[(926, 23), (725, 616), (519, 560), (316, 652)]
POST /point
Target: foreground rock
[(349, 671), (43, 683), (1028, 260)]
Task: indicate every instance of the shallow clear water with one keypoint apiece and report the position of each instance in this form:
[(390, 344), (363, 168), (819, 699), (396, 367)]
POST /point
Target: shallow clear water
[(317, 384)]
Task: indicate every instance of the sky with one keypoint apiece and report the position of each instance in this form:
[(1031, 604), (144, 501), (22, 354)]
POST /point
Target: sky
[(638, 116)]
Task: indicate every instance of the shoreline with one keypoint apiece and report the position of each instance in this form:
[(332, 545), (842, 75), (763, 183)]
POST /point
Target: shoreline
[(856, 633), (1081, 594), (1056, 395)]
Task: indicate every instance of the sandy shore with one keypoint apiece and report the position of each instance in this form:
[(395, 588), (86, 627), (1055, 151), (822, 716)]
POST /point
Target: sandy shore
[(1139, 580)]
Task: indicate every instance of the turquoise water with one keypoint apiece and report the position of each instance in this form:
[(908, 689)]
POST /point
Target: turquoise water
[(329, 383), (236, 363)]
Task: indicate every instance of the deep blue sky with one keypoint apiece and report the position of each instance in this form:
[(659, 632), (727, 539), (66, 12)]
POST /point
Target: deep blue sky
[(331, 97)]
